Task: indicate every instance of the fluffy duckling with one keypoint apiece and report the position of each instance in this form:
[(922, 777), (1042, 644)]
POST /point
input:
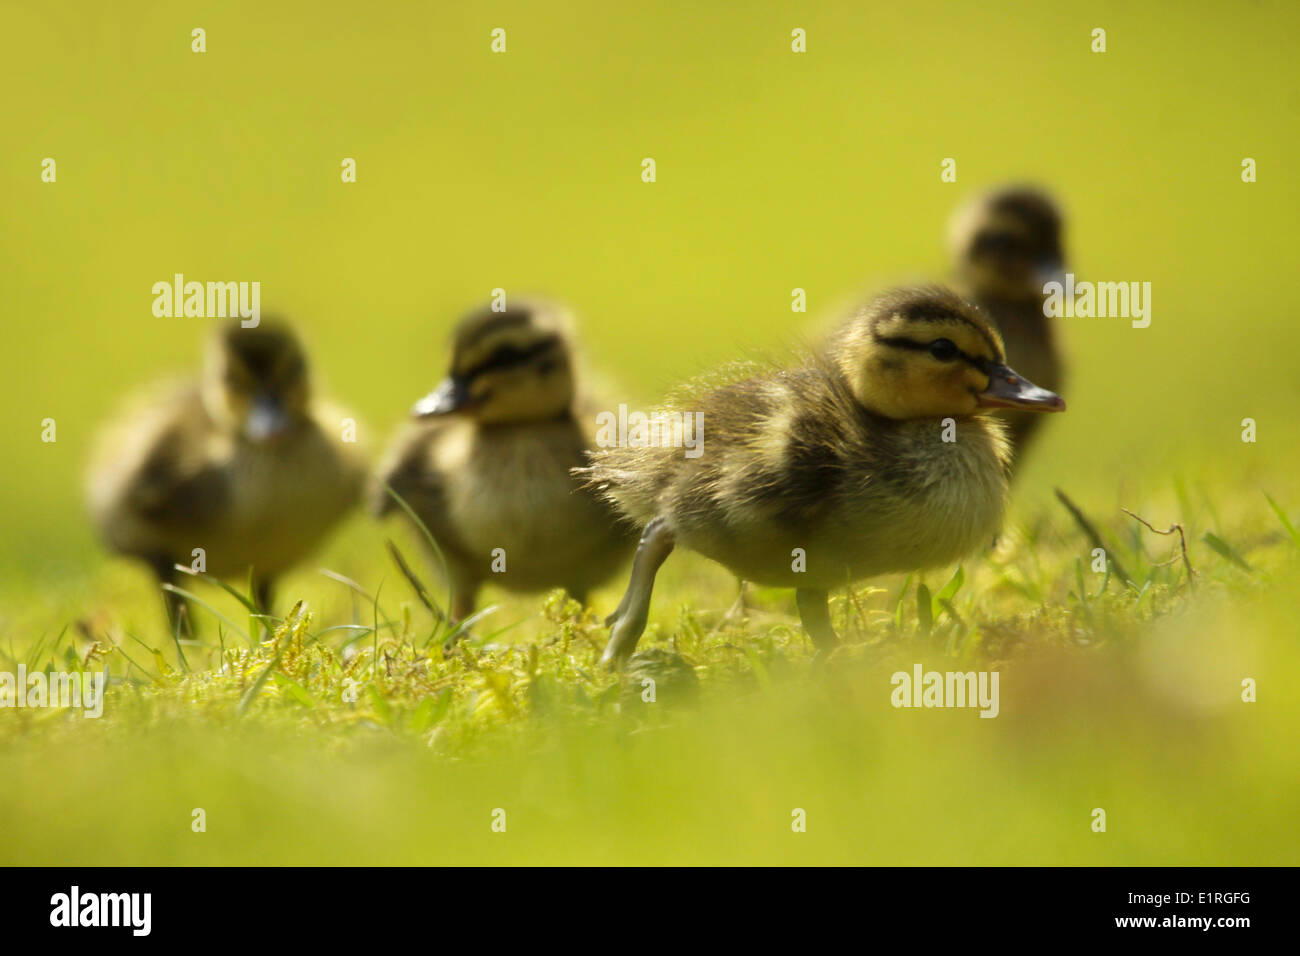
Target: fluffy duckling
[(1006, 245), (238, 463), (486, 465), (843, 456)]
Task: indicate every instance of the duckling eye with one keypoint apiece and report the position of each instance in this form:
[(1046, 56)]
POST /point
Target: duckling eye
[(944, 350)]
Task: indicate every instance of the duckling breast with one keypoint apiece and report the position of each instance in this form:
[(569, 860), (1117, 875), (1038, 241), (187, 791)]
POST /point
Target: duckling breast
[(508, 490), (939, 499), (901, 501)]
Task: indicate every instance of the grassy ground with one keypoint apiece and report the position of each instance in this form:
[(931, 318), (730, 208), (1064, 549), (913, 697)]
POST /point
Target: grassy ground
[(776, 171)]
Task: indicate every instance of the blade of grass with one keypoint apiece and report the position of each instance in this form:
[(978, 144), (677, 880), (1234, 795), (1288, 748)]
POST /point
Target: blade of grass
[(176, 639), (948, 591), (347, 627), (152, 651), (480, 641), (410, 512), (1080, 587), (1226, 550), (465, 625), (1286, 522), (898, 602), (34, 654), (1105, 581), (924, 616), (374, 608), (296, 690), (347, 582), (1091, 533), (414, 581), (189, 596), (233, 592)]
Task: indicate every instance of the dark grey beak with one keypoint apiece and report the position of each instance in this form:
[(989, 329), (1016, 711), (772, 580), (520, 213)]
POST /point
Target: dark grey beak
[(451, 395), (1008, 389), (267, 420)]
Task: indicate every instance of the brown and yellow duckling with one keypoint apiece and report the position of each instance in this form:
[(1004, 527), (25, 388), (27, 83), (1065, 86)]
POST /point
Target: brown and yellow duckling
[(1005, 246), (239, 463), (842, 460), (486, 465)]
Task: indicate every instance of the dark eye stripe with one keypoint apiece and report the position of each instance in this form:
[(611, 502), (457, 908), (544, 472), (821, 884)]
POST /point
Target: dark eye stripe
[(511, 356), (902, 342), (932, 311), (1005, 242)]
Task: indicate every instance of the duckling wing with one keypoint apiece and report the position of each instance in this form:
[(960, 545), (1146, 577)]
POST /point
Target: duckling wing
[(413, 471), (176, 484), (156, 464)]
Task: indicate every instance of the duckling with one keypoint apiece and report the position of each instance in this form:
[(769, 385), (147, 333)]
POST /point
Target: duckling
[(1006, 245), (238, 463), (486, 463), (843, 456)]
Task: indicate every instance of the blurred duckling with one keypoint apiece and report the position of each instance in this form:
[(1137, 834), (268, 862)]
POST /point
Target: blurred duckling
[(486, 465), (1005, 246), (842, 456), (238, 463)]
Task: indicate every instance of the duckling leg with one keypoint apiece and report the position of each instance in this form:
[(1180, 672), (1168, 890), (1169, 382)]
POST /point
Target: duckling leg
[(628, 620), (739, 608), (816, 617), (179, 620), (263, 593), (463, 594)]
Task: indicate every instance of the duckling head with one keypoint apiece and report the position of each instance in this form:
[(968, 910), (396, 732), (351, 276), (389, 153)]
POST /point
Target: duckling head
[(506, 367), (928, 353), (255, 381), (1007, 244)]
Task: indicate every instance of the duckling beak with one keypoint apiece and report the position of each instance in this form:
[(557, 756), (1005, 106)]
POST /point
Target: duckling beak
[(451, 395), (1008, 389), (267, 420)]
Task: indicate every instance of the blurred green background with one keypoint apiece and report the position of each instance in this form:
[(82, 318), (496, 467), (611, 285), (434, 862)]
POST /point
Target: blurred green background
[(775, 171)]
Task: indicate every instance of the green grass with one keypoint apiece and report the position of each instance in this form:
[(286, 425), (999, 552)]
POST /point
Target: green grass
[(339, 743), (1120, 691)]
